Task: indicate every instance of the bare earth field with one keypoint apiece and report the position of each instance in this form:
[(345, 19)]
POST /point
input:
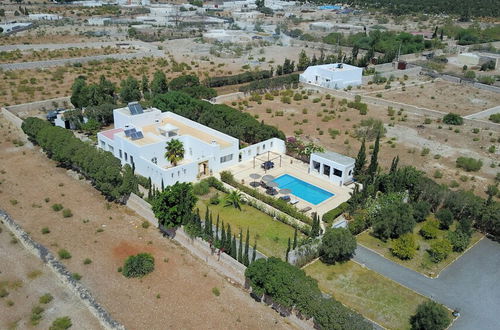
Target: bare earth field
[(403, 139), (446, 96), (26, 279), (44, 54), (178, 294)]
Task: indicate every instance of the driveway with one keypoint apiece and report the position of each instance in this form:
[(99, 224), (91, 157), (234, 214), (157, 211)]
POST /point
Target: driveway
[(471, 284)]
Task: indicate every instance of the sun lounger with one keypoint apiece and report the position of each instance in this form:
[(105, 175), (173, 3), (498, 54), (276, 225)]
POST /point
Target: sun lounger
[(294, 201), (286, 198), (305, 209)]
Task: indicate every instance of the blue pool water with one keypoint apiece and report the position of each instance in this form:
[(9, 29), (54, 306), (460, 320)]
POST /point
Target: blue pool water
[(304, 190)]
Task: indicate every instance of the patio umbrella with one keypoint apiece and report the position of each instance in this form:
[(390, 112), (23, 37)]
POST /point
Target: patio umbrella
[(268, 178), (272, 184), (285, 191), (254, 176)]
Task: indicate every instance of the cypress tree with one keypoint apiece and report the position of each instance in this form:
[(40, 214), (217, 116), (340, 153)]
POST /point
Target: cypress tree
[(394, 165), (150, 195), (229, 242), (254, 253), (295, 239), (210, 228), (223, 236), (288, 249), (360, 160), (207, 214), (217, 229), (240, 247), (372, 169), (162, 185), (233, 248), (247, 244)]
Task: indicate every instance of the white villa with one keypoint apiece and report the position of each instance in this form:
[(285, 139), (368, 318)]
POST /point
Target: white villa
[(141, 135), (334, 76), (334, 166)]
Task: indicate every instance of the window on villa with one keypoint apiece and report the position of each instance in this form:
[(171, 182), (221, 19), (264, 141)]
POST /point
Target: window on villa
[(103, 145), (337, 172), (120, 153), (326, 170), (263, 147), (126, 157), (350, 172), (226, 158), (271, 144), (110, 147), (132, 159), (316, 166)]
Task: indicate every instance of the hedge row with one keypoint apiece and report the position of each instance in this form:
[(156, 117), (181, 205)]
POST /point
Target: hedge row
[(290, 288), (271, 83), (102, 168), (238, 78), (279, 204), (221, 117), (331, 215)]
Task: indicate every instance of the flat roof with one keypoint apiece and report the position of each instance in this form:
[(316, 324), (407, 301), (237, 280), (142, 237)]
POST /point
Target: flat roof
[(336, 157), (110, 134)]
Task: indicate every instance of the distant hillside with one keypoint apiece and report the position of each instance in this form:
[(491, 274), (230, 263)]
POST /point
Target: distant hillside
[(463, 8)]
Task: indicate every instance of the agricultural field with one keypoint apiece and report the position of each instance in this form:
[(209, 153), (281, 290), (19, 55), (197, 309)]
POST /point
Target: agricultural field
[(107, 234), (426, 143), (421, 262), (374, 296), (271, 235)]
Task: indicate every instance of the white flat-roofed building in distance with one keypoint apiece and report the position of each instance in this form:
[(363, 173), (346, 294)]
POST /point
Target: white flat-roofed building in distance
[(140, 137), (334, 76), (335, 167)]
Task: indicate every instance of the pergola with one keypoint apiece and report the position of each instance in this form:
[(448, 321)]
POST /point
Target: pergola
[(266, 157)]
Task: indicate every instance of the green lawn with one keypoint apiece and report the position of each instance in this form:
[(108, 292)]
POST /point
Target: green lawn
[(271, 235), (369, 293), (421, 262)]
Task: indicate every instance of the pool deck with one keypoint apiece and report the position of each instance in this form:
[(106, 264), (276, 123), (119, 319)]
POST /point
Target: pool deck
[(298, 169)]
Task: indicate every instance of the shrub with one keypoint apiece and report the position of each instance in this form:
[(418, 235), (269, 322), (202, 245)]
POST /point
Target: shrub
[(216, 291), (338, 244), (45, 299), (453, 119), (145, 224), (67, 213), (429, 230), (215, 200), (61, 323), (331, 215), (469, 74), (440, 250), (138, 265), (57, 207), (45, 230), (445, 218), (201, 188), (459, 240), (430, 315), (469, 164), (87, 261), (64, 254), (76, 276), (495, 118), (404, 247)]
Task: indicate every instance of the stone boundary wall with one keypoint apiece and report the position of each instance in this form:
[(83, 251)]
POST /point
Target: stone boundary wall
[(414, 71), (38, 105), (16, 121), (61, 272), (228, 97)]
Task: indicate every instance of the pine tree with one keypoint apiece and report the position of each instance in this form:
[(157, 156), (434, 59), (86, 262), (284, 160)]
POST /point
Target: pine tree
[(295, 239), (372, 169), (254, 253), (240, 248), (234, 253), (247, 244), (360, 160), (288, 249), (303, 61)]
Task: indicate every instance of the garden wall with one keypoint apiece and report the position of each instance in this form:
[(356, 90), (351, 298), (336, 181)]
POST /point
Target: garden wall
[(16, 121), (61, 272), (38, 105)]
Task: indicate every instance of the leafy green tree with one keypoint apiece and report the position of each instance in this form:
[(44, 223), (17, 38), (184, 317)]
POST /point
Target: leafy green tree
[(430, 316), (459, 240), (429, 230), (491, 191), (184, 81), (91, 127), (453, 119), (445, 218), (359, 165), (337, 245), (129, 90), (174, 206), (439, 250), (234, 198), (159, 83), (174, 151), (138, 265), (391, 218), (145, 87), (404, 247), (303, 61), (78, 92), (421, 210)]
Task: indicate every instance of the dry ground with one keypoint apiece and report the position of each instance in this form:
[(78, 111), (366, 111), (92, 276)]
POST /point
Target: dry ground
[(404, 139), (26, 279), (44, 54), (178, 294), (445, 96)]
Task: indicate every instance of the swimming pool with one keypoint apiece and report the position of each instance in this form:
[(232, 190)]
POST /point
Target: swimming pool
[(302, 189)]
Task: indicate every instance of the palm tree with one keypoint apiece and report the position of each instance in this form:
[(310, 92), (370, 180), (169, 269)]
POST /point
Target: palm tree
[(174, 151), (234, 198)]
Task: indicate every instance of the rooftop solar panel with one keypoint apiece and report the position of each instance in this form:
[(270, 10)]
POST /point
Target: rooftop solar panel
[(136, 135), (129, 131), (135, 108)]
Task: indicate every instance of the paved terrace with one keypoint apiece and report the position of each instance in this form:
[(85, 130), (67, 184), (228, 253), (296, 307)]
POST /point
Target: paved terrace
[(298, 169)]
